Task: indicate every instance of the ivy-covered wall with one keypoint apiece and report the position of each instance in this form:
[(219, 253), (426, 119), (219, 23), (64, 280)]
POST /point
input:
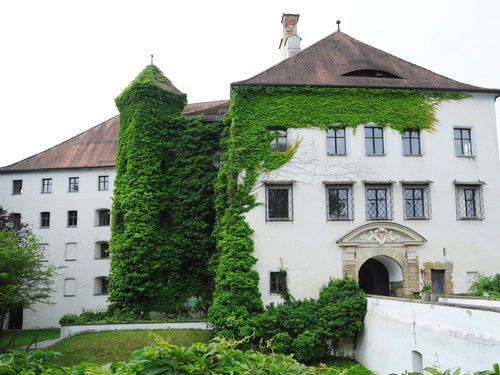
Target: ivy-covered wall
[(256, 111), (162, 215)]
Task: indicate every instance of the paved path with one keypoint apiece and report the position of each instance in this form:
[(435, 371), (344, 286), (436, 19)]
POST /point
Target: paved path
[(41, 344)]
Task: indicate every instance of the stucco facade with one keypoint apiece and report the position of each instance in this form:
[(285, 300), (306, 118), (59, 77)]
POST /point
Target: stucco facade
[(308, 247)]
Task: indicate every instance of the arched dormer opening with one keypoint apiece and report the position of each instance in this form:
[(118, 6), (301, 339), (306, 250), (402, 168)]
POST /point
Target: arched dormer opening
[(370, 73)]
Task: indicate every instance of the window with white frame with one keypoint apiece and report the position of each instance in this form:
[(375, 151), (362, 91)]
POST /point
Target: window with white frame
[(416, 201), (339, 202), (72, 218), (103, 184), (278, 142), (46, 185), (411, 142), (379, 201), (374, 140), (335, 141), (469, 201), (463, 141), (73, 184), (279, 202)]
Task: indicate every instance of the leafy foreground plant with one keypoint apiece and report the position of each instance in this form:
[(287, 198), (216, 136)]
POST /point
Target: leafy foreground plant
[(217, 357)]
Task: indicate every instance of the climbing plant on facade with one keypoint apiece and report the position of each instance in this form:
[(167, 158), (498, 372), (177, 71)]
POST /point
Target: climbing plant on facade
[(256, 113), (162, 212)]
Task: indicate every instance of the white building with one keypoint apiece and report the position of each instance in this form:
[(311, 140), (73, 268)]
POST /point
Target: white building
[(372, 204)]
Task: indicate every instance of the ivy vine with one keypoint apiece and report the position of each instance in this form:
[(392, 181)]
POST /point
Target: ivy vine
[(163, 210), (256, 112)]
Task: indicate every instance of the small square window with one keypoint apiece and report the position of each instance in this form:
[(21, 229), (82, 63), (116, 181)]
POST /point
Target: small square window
[(46, 185), (411, 142), (44, 219), (276, 285), (73, 184), (104, 218), (279, 205), (463, 141), (416, 201), (339, 202), (103, 183), (101, 285), (72, 218), (374, 140), (379, 202), (17, 187), (469, 202), (278, 143), (335, 141)]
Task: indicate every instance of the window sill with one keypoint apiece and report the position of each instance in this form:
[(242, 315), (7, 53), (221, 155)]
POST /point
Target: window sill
[(70, 260), (413, 155), (103, 190), (279, 220), (69, 295), (340, 219), (375, 154), (466, 156), (46, 192), (417, 218), (44, 228), (378, 218), (72, 226), (336, 154), (17, 193), (97, 225), (475, 218), (73, 191), (101, 294)]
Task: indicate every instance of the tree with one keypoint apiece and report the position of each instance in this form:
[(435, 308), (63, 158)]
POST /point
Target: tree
[(24, 280)]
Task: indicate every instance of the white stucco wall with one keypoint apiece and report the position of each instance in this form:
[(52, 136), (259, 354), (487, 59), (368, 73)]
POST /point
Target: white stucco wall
[(85, 268), (468, 338), (307, 245)]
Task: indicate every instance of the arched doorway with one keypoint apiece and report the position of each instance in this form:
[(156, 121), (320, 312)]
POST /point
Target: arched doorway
[(381, 275), (384, 256)]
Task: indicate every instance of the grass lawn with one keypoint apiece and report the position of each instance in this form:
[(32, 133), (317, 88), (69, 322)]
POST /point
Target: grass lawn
[(350, 366), (25, 336), (114, 346)]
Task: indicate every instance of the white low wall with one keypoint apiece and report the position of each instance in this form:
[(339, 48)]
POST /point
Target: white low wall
[(453, 336), (472, 301), (72, 330)]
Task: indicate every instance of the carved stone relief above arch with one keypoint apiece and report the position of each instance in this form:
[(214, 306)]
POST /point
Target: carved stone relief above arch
[(384, 239)]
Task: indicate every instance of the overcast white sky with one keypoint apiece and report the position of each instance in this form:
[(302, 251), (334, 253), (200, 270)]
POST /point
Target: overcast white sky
[(62, 63)]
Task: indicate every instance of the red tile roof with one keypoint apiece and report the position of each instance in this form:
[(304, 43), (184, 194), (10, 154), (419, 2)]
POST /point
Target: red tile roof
[(96, 147), (327, 62)]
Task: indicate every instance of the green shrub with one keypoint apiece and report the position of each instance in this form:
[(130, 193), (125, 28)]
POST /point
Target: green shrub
[(29, 362), (486, 284), (311, 328), (68, 319)]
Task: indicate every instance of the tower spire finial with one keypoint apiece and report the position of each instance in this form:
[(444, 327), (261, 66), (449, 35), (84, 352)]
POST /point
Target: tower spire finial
[(338, 25), (152, 59)]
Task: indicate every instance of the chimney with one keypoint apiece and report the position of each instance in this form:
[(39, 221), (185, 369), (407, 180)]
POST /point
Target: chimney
[(290, 43)]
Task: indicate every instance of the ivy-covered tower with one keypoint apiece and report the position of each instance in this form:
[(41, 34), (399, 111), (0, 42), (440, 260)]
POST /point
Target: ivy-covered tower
[(138, 245)]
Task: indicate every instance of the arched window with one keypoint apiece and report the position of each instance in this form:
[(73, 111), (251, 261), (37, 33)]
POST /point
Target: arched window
[(101, 250), (69, 287)]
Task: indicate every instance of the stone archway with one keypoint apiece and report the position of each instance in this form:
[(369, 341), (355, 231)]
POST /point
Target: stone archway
[(391, 245)]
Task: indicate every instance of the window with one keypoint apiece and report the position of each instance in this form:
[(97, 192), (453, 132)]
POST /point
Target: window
[(463, 141), (276, 284), (279, 203), (469, 202), (70, 251), (17, 187), (416, 201), (278, 143), (374, 141), (73, 184), (101, 285), (339, 202), (16, 221), (46, 185), (103, 218), (103, 183), (101, 250), (379, 202), (335, 141), (72, 218), (69, 287), (411, 142), (44, 219), (44, 251)]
